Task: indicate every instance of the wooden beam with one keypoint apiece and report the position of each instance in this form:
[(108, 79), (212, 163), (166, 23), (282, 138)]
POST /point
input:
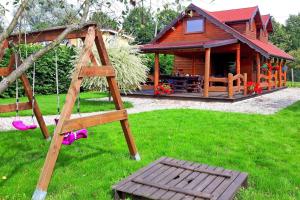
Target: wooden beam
[(269, 77), (115, 93), (156, 70), (65, 114), (36, 108), (101, 71), (280, 73), (3, 46), (13, 107), (245, 84), (238, 63), (230, 85), (47, 35), (206, 72), (101, 48), (85, 122), (258, 67), (5, 71)]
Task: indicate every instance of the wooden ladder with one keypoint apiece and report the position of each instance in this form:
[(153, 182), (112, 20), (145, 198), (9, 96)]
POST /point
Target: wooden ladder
[(5, 71), (86, 67)]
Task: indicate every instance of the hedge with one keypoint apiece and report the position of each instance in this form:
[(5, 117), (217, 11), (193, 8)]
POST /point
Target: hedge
[(45, 70)]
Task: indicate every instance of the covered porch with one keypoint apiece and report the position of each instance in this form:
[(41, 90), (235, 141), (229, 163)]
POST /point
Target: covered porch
[(210, 70)]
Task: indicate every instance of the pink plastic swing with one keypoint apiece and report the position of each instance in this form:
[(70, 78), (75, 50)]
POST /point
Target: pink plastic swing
[(19, 124), (70, 137)]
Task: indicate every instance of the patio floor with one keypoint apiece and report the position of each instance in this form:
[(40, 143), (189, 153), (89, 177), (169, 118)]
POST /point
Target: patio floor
[(213, 96)]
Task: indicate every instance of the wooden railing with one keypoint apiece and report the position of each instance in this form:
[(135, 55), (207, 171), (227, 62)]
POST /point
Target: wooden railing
[(282, 79), (228, 84), (269, 81)]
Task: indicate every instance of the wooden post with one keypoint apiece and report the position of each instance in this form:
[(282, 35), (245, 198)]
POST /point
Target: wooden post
[(275, 79), (206, 71), (36, 109), (292, 74), (230, 85), (269, 77), (156, 70), (116, 97), (238, 64), (284, 75), (44, 180), (29, 94), (280, 74), (258, 68), (245, 85)]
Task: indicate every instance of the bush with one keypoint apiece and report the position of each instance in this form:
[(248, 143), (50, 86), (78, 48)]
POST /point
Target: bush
[(129, 65), (166, 63), (45, 70)]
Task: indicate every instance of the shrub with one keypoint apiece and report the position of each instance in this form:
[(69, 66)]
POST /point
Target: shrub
[(128, 64), (45, 70), (166, 63)]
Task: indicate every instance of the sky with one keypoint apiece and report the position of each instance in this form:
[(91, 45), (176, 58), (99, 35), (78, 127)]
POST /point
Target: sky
[(280, 10)]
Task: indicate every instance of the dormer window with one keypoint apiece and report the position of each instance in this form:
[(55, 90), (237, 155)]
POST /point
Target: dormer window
[(195, 25)]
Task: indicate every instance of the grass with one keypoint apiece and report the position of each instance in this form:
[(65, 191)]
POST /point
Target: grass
[(48, 106), (267, 147), (295, 84)]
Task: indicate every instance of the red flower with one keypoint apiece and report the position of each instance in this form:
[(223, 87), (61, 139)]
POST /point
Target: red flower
[(257, 88)]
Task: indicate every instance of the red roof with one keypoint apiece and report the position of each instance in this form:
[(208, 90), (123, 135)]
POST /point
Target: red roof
[(265, 19), (219, 18), (189, 45), (240, 14), (271, 49)]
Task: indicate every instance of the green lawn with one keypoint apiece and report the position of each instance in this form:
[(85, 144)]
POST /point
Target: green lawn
[(295, 84), (48, 104), (267, 147)]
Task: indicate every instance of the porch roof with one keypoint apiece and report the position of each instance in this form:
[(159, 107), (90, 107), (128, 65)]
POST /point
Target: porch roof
[(148, 48), (271, 49)]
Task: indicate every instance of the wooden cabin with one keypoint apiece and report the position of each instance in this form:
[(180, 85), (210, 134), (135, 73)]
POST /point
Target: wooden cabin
[(217, 53)]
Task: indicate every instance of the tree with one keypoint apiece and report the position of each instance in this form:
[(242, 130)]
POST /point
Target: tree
[(45, 13), (165, 17), (293, 29), (104, 21), (280, 37), (296, 63), (140, 24)]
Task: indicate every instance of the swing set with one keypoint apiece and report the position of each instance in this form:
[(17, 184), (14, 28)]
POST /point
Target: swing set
[(86, 66)]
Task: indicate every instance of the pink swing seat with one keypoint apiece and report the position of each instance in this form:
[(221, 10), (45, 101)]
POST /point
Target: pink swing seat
[(19, 125), (71, 137)]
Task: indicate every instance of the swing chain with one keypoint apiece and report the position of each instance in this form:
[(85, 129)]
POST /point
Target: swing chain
[(57, 83)]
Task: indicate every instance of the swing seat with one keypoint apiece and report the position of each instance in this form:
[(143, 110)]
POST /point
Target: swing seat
[(19, 125), (72, 136)]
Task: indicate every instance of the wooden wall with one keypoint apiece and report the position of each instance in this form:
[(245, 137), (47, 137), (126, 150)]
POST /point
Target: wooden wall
[(211, 32), (248, 64), (189, 63)]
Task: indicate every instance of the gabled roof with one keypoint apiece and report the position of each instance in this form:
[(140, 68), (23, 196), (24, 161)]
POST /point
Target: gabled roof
[(267, 22), (265, 50), (241, 14)]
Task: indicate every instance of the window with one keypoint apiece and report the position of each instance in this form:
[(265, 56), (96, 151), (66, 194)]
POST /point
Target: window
[(194, 25)]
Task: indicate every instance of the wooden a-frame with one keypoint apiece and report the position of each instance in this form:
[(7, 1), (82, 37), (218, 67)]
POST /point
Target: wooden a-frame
[(5, 71), (86, 67)]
